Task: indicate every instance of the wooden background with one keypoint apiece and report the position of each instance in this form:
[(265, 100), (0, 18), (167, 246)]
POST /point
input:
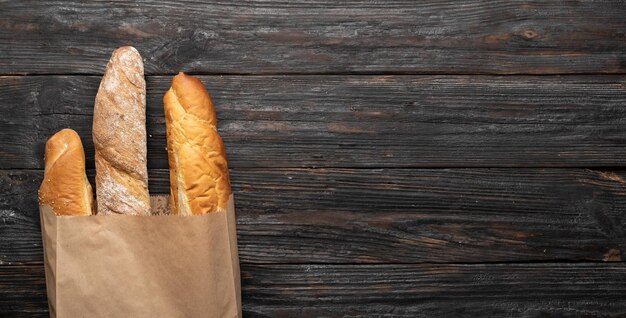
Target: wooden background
[(396, 158)]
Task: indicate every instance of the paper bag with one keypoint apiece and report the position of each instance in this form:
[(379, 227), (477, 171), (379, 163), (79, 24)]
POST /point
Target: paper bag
[(142, 266)]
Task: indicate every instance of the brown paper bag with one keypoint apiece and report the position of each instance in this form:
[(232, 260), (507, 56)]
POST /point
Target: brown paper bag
[(142, 266)]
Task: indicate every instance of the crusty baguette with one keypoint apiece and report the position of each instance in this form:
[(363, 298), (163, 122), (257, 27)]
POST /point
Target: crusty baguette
[(65, 187), (119, 136), (198, 166)]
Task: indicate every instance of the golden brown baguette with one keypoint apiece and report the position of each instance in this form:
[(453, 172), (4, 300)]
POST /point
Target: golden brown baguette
[(65, 187), (198, 166), (119, 136)]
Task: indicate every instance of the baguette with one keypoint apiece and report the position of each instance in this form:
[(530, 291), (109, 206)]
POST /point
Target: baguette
[(65, 187), (199, 179), (119, 136)]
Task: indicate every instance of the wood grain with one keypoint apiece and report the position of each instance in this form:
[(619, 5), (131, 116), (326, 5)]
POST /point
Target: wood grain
[(23, 291), (354, 121), (253, 37), (479, 290), (389, 215), (508, 290)]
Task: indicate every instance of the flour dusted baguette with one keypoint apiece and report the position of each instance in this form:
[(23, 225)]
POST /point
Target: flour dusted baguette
[(119, 136), (198, 166), (65, 187)]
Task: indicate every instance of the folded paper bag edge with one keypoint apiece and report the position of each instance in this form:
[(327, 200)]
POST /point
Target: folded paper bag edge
[(48, 222), (213, 227)]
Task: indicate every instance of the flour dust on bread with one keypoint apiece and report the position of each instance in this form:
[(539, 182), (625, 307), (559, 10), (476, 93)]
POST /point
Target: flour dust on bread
[(199, 177), (65, 187), (119, 136)]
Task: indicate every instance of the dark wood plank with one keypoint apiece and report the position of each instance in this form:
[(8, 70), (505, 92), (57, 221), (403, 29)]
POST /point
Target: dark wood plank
[(354, 121), (382, 216), (510, 290), (23, 291), (504, 36), (487, 290)]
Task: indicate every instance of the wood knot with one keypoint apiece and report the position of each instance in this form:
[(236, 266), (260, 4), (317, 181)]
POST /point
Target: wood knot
[(530, 34), (612, 176), (613, 255)]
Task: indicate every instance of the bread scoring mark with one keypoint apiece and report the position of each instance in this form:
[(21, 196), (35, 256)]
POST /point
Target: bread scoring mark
[(183, 207), (53, 161), (207, 123), (119, 198)]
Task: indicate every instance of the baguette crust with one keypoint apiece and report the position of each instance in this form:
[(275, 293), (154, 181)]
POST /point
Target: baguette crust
[(119, 136), (65, 187), (199, 177)]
